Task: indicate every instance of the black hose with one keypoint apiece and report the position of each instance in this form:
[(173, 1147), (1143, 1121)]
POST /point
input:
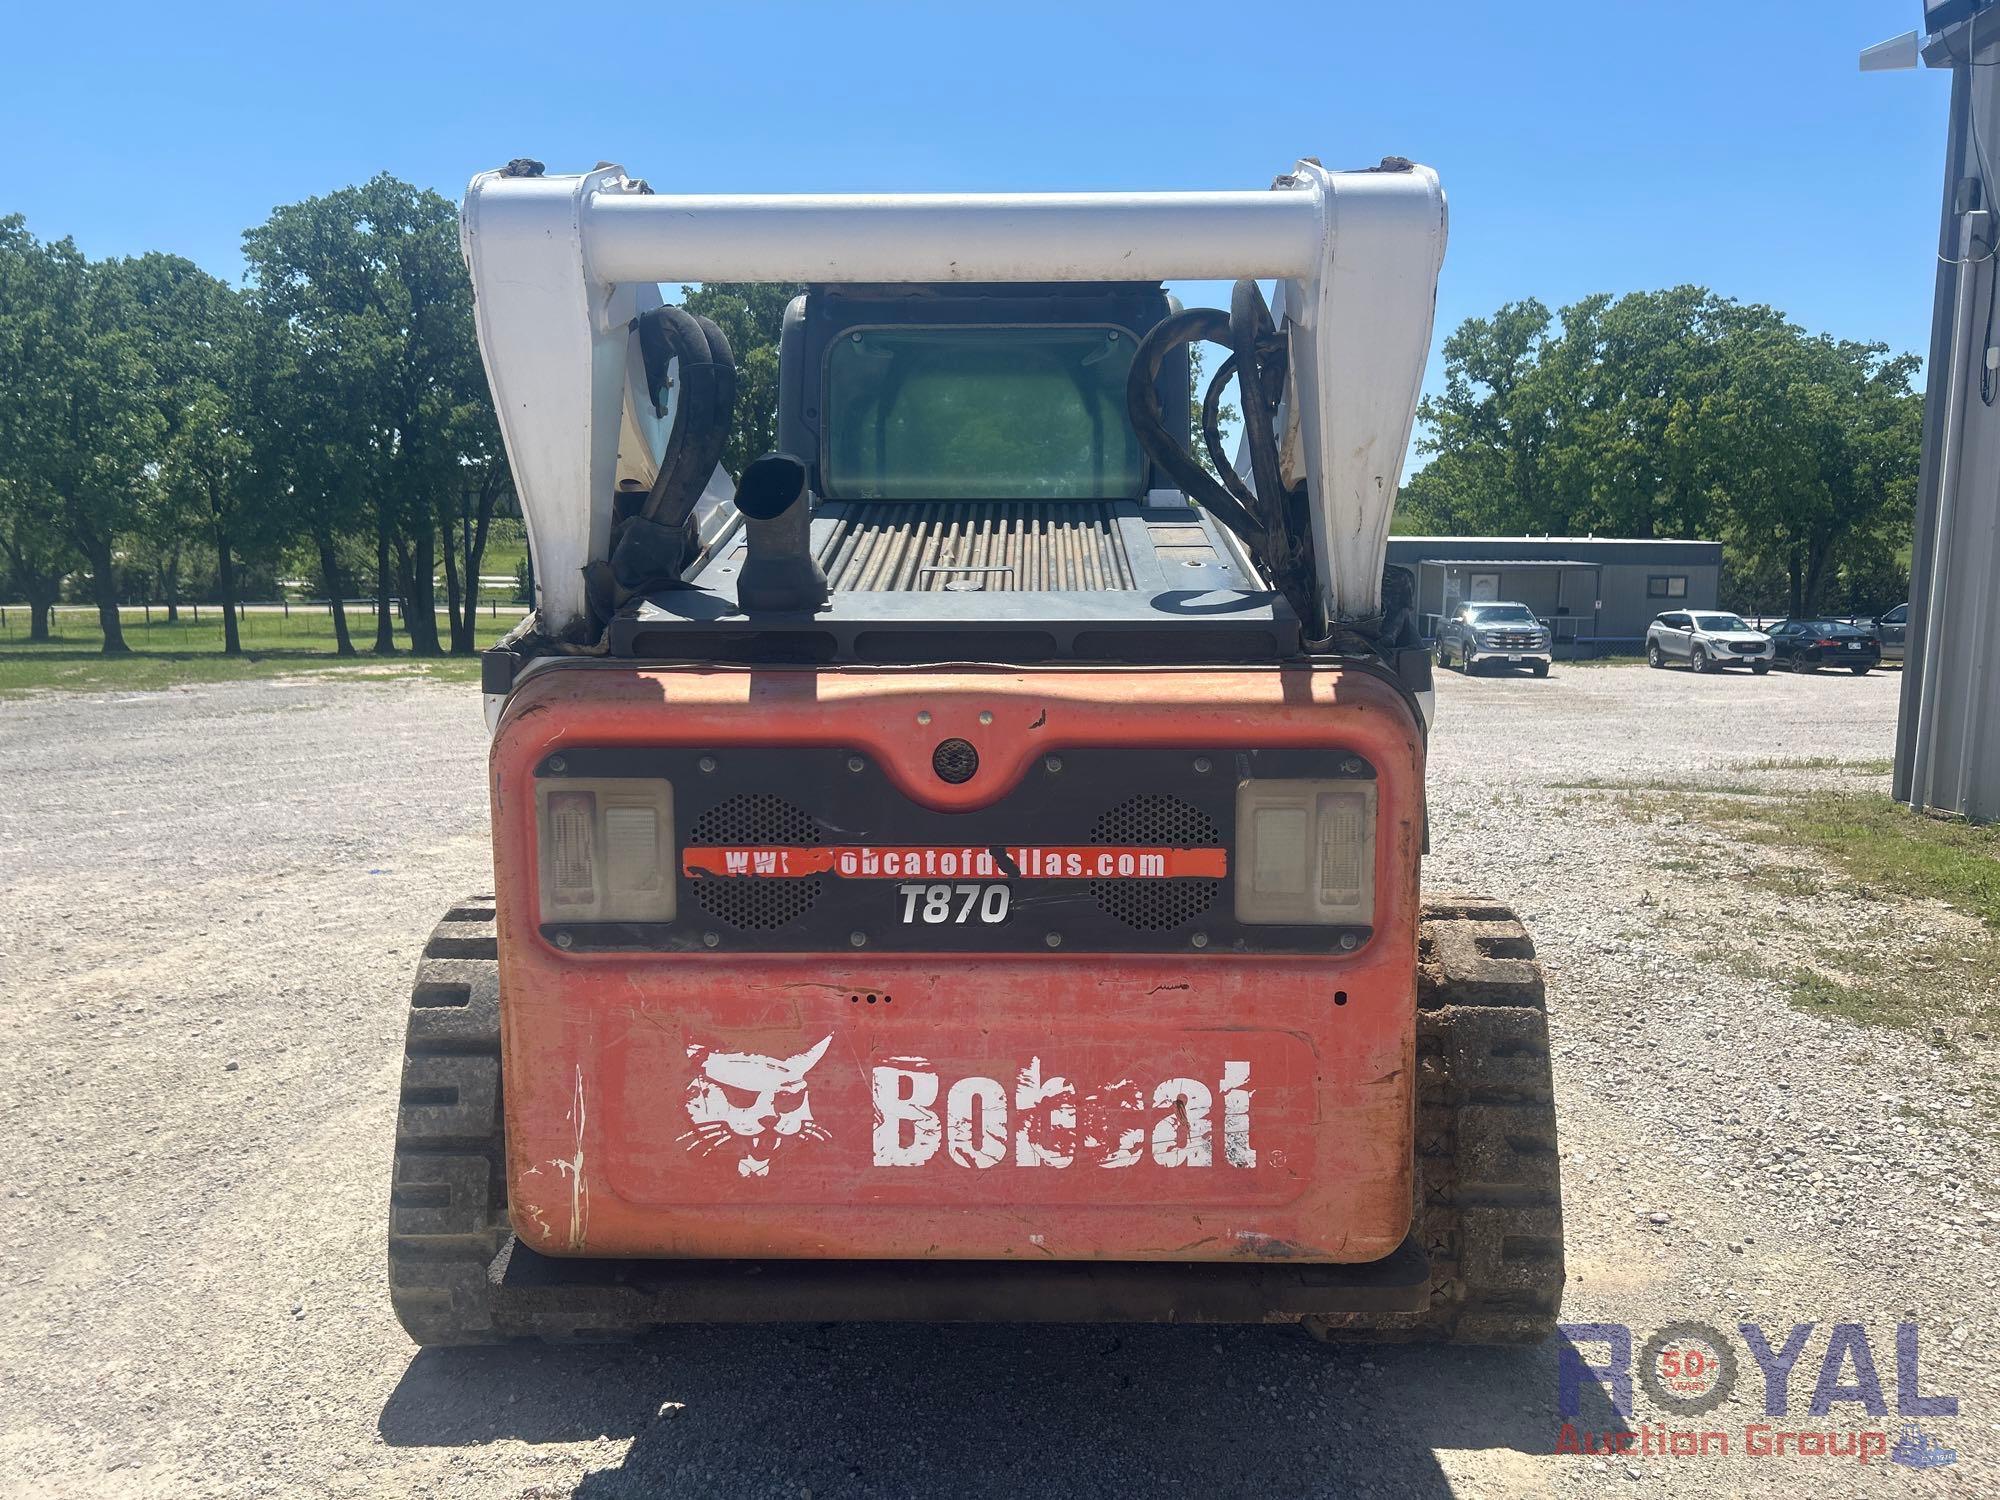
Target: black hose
[(1260, 360), (704, 407), (1142, 406), (1261, 511), (1211, 434)]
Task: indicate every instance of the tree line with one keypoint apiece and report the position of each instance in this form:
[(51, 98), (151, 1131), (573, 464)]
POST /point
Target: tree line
[(1681, 413), (332, 412), (332, 409)]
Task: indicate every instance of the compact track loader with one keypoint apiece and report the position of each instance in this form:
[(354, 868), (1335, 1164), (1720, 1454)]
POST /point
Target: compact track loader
[(966, 865)]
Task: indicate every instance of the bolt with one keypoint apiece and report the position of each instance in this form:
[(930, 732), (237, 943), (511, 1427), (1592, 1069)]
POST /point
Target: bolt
[(707, 763), (557, 765), (1347, 942), (923, 716), (1200, 940), (1352, 765), (710, 939), (563, 940), (986, 716), (1052, 763), (1053, 939), (856, 763), (857, 939), (1202, 765)]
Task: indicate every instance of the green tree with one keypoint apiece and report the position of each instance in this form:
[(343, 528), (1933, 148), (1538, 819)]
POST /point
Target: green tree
[(82, 425), (1811, 444), (1486, 431), (200, 334), (1675, 413), (751, 316), (311, 460), (35, 551), (369, 283)]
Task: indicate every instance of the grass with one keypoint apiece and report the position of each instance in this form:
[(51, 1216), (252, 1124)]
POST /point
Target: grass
[(190, 651), (1609, 784), (1896, 972), (1818, 763), (1879, 844), (1873, 1004), (1785, 880), (1865, 988)]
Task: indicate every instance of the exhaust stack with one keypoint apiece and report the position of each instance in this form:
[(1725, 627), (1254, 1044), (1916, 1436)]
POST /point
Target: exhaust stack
[(780, 574)]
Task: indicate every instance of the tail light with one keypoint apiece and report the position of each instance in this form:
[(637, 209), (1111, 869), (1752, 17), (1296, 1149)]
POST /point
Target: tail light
[(607, 850), (1305, 852)]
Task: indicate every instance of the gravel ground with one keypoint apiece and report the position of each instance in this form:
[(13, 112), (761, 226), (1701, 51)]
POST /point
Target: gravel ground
[(213, 899)]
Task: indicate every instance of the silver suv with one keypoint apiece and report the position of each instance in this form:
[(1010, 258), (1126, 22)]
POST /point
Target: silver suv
[(1707, 640), (1474, 635)]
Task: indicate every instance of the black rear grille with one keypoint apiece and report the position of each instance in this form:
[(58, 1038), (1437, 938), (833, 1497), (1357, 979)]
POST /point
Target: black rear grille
[(1155, 821), (902, 546), (745, 902), (871, 860)]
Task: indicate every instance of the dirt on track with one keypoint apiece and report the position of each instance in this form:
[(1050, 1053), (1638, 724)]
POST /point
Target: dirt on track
[(211, 901)]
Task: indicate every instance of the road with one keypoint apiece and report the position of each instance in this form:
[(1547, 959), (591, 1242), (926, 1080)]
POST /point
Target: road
[(214, 898)]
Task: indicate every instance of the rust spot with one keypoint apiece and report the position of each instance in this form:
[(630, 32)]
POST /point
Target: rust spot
[(1040, 719)]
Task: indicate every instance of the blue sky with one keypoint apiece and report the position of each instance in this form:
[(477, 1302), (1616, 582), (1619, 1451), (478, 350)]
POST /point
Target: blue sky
[(1584, 148)]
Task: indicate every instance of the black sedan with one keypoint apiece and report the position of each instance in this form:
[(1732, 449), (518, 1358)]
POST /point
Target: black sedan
[(1808, 645)]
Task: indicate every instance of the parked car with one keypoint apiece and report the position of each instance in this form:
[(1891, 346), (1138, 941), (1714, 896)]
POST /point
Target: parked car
[(1707, 640), (1477, 634), (1808, 645), (1892, 628)]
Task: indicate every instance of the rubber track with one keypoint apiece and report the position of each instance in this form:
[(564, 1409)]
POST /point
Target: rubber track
[(1489, 1187), (448, 1193)]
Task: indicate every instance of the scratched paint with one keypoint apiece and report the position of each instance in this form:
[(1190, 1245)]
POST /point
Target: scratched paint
[(1053, 1123), (1306, 1145), (579, 1190)]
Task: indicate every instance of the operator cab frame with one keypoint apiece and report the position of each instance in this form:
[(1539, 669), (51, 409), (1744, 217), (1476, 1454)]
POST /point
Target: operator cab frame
[(1117, 568)]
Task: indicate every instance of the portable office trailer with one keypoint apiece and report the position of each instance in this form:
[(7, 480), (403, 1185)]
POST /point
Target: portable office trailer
[(1596, 593)]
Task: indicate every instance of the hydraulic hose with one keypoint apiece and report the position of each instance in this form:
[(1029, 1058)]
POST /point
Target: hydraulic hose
[(1142, 406), (704, 406), (1260, 511), (653, 533)]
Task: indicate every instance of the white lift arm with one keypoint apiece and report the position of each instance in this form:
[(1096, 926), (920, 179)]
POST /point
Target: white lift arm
[(561, 265)]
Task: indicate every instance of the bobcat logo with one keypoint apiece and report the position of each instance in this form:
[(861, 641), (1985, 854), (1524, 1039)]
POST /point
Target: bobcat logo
[(751, 1102)]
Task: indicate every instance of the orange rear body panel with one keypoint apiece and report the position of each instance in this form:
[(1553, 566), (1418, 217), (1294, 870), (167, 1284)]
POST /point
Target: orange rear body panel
[(1079, 1106)]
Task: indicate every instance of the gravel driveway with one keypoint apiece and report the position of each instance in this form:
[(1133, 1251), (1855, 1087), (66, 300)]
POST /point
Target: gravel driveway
[(213, 900)]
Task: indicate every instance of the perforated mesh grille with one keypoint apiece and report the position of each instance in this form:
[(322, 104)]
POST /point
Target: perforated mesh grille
[(1155, 821), (748, 902)]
